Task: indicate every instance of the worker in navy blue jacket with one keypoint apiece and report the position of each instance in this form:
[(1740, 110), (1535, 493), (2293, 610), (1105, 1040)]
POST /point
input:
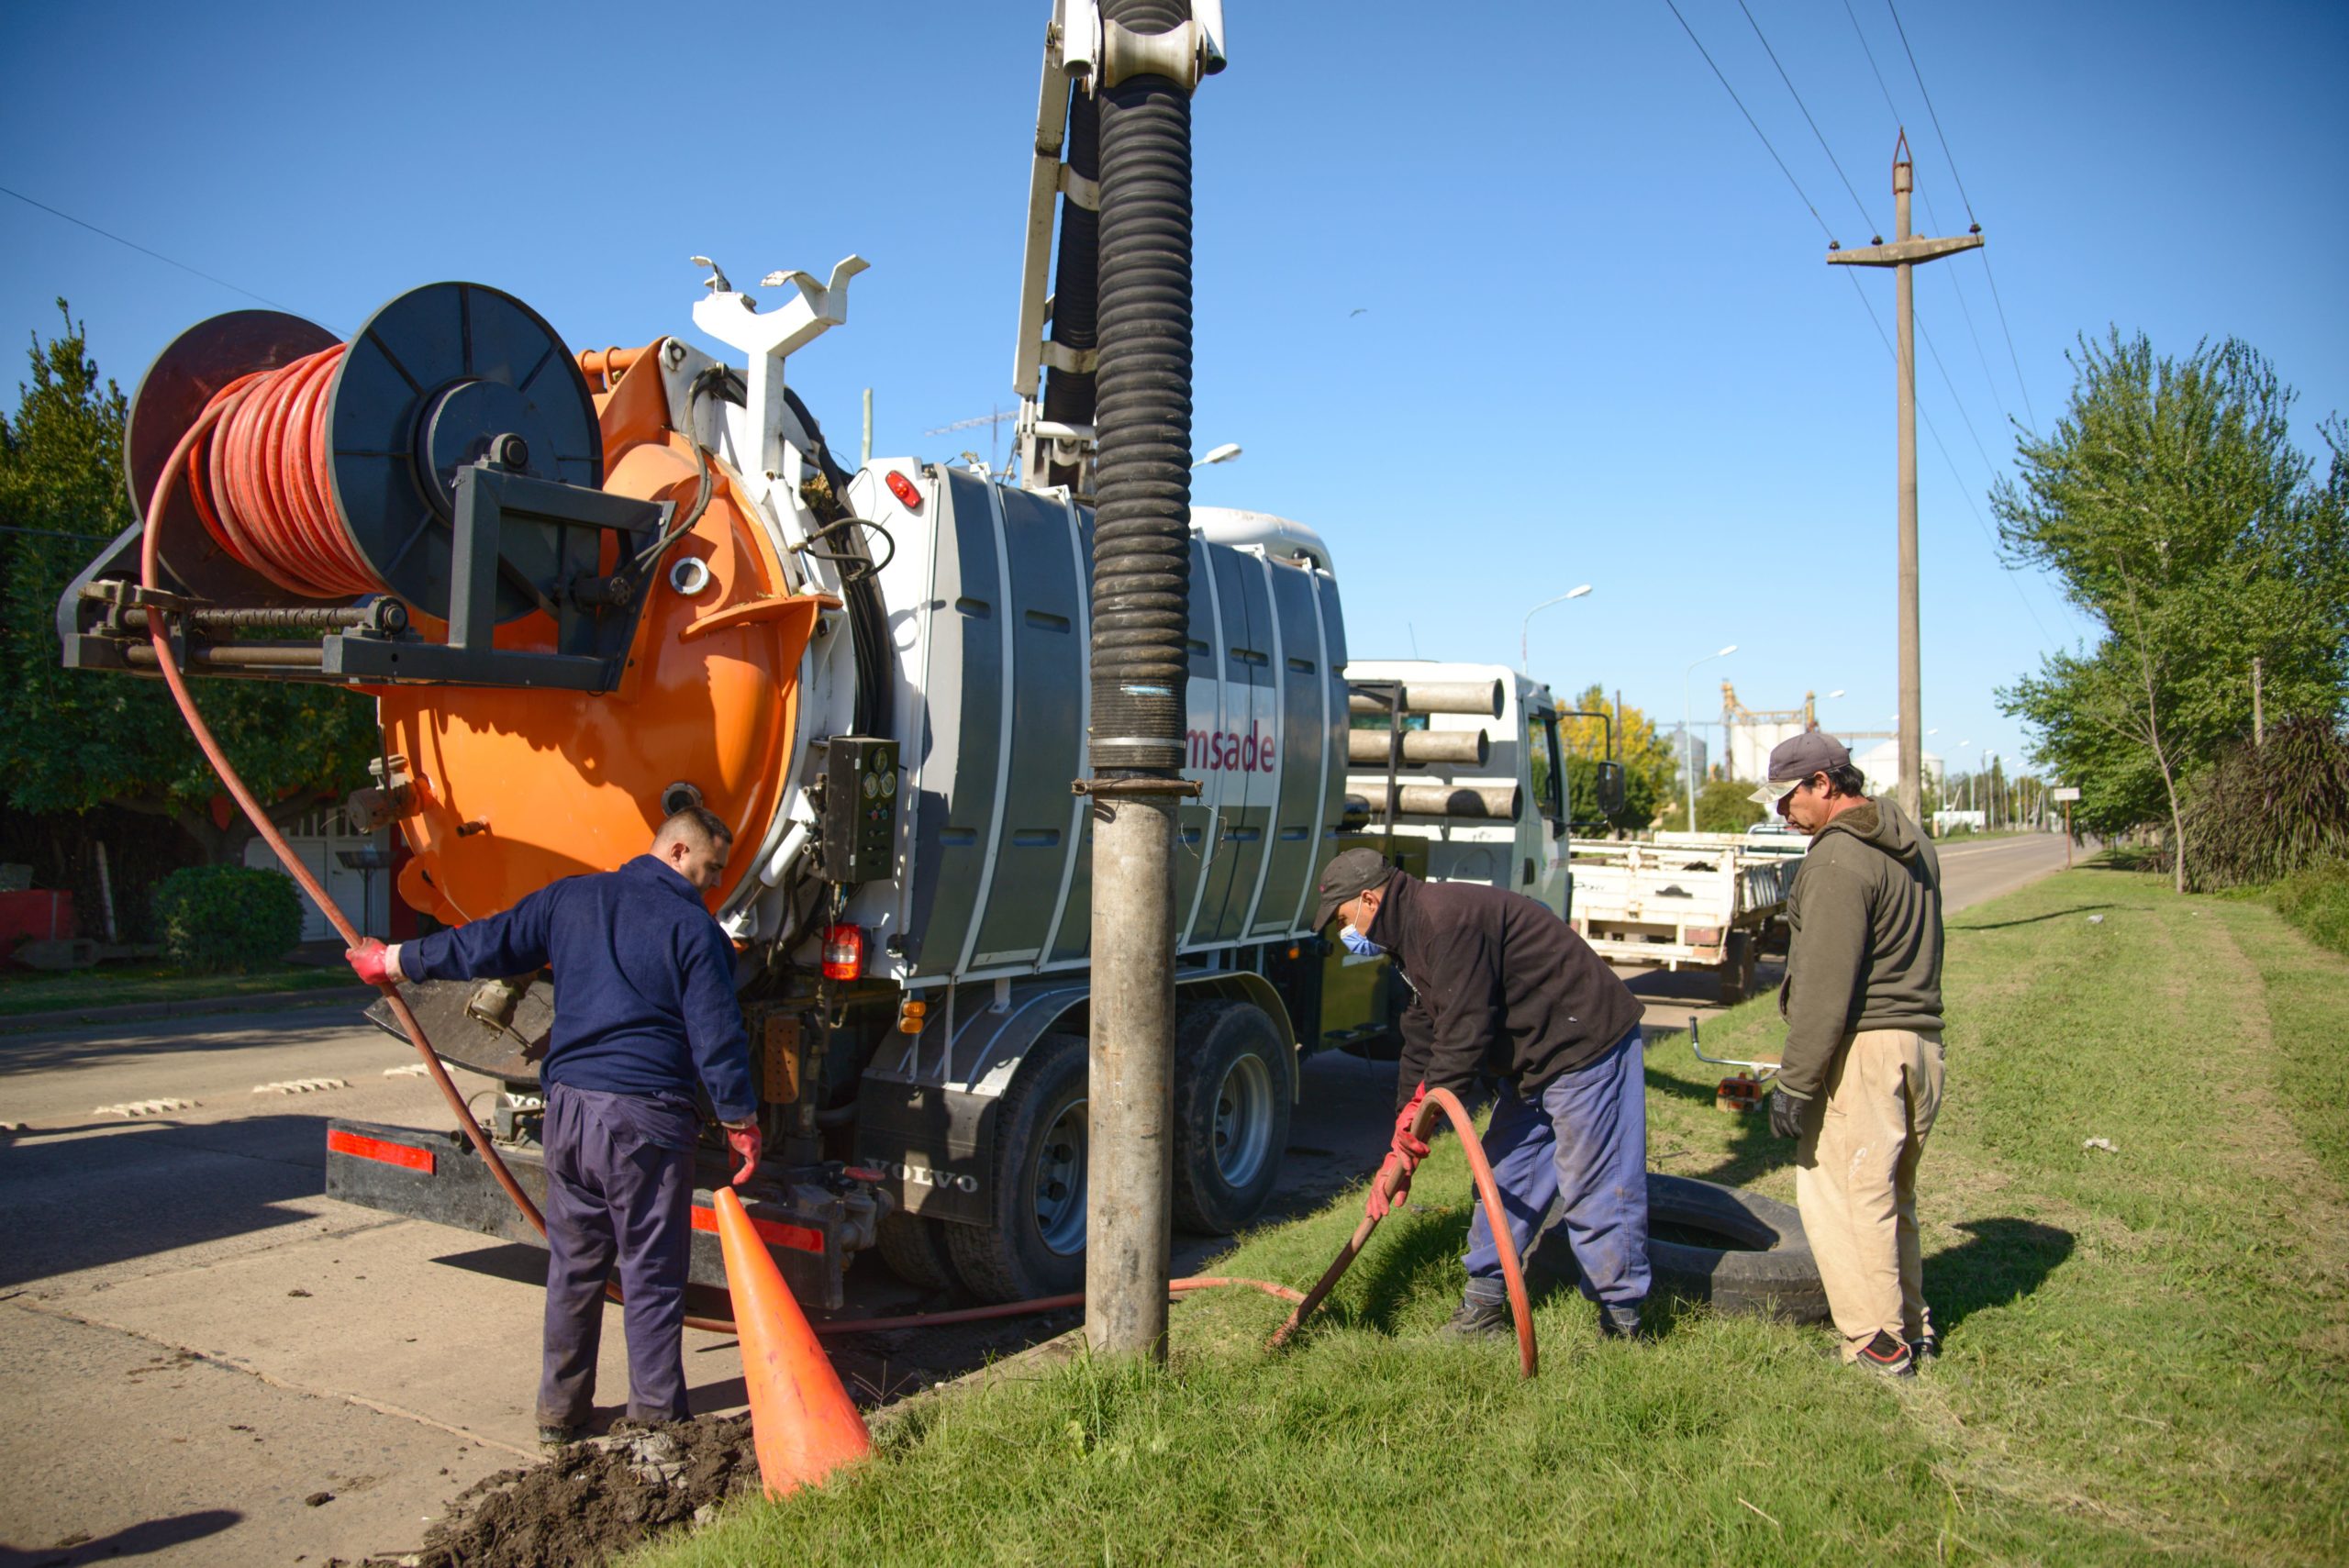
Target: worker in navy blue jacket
[(645, 1009)]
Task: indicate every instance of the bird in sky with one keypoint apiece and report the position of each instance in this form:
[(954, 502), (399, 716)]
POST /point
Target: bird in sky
[(1357, 310)]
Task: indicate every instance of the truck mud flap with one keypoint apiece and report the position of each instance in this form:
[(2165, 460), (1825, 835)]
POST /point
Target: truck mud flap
[(436, 1177)]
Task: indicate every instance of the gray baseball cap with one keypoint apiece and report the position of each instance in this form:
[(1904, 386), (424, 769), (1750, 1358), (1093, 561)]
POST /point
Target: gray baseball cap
[(1795, 760), (1348, 874)]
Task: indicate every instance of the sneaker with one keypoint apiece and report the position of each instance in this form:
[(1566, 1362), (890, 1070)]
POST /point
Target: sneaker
[(1477, 1319), (1621, 1321), (1887, 1355), (1924, 1348)]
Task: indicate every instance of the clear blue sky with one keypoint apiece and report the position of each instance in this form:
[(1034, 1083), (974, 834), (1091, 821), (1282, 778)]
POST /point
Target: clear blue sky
[(1597, 342)]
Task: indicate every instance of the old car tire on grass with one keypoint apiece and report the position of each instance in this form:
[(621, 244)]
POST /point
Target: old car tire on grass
[(1737, 1249), (1034, 1242), (1234, 1078)]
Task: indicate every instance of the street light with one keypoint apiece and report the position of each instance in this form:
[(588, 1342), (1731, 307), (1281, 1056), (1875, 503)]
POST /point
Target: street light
[(1223, 454), (1523, 664), (1688, 751)]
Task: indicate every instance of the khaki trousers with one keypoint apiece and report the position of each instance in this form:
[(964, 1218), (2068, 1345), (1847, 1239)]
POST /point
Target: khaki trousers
[(1855, 1182)]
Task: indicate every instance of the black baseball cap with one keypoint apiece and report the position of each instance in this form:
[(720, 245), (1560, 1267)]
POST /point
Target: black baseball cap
[(1348, 874), (1795, 760)]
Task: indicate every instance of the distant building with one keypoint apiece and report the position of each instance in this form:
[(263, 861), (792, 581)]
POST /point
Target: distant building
[(1695, 754), (1881, 765)]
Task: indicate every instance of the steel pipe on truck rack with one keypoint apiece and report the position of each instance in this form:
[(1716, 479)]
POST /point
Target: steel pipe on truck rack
[(1473, 747), (1478, 697), (1489, 802)]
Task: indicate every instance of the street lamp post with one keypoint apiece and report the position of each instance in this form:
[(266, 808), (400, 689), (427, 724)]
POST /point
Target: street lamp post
[(1687, 747), (1524, 663), (1223, 454)]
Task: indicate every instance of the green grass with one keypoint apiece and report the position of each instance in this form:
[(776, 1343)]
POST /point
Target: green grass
[(2317, 901), (114, 985), (2147, 1351)]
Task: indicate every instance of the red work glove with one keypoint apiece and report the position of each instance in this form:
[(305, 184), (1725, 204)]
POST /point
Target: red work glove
[(1394, 1168), (1408, 1144), (743, 1139), (371, 961)]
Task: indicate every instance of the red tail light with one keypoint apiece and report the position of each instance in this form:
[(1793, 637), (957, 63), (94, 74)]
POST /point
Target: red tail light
[(843, 952), (903, 489)]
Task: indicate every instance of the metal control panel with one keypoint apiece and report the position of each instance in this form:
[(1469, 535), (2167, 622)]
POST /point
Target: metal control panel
[(860, 811)]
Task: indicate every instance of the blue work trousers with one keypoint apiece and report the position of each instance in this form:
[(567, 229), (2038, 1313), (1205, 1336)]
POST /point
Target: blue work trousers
[(620, 1194), (1584, 1143)]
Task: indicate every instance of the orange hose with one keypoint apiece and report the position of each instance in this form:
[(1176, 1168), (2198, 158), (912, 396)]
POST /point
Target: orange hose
[(229, 405), (1488, 1192)]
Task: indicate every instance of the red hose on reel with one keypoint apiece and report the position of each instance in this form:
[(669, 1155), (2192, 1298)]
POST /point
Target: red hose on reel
[(263, 487)]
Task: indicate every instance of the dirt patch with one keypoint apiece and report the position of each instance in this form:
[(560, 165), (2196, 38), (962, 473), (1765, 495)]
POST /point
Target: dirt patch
[(593, 1501)]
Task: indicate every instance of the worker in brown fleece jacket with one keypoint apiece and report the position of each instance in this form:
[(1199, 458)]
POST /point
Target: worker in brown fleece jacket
[(1861, 1076)]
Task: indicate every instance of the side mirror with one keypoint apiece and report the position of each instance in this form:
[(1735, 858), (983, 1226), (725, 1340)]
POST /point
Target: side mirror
[(1610, 790)]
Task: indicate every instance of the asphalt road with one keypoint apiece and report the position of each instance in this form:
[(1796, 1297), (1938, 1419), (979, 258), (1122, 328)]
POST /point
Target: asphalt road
[(195, 1343)]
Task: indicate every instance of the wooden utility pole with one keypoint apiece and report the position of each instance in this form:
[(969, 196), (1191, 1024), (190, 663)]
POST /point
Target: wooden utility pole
[(1902, 255), (2258, 724)]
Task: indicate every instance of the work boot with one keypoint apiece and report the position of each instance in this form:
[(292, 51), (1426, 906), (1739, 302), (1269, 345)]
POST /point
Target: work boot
[(1620, 1320), (1888, 1356), (1480, 1317), (1924, 1348), (553, 1435)]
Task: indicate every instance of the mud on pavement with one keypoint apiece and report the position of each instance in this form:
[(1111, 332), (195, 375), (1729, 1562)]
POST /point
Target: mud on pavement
[(590, 1502)]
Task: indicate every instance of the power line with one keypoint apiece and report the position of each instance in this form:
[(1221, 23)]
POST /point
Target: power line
[(1930, 110), (1931, 215), (2019, 382), (1990, 275), (1805, 115), (1962, 414), (1934, 430), (142, 249), (1741, 110)]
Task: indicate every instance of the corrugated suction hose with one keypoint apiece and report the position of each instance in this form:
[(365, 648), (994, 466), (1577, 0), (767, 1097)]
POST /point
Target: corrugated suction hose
[(1141, 542)]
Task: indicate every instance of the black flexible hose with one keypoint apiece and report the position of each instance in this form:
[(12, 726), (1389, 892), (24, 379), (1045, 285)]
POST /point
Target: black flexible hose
[(1142, 546), (868, 614), (1069, 396)]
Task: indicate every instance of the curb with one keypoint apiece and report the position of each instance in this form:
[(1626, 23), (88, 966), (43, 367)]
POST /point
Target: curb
[(132, 1012)]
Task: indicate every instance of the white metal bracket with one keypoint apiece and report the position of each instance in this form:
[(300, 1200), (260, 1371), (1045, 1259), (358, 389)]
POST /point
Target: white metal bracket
[(733, 318)]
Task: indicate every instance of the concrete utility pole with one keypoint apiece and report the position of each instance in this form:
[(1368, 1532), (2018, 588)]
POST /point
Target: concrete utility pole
[(1903, 254)]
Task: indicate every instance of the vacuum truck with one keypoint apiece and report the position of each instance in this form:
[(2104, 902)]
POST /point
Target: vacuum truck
[(584, 590)]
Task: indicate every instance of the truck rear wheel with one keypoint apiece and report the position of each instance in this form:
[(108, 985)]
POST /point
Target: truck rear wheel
[(914, 1249), (1234, 1077), (1033, 1243)]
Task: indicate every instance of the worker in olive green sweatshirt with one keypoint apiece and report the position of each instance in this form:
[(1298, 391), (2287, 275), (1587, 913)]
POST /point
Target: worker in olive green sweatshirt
[(1862, 1079)]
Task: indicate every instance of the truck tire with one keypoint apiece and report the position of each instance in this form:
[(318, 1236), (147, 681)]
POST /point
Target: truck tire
[(1739, 1251), (1234, 1079), (1034, 1241), (915, 1250), (1737, 968)]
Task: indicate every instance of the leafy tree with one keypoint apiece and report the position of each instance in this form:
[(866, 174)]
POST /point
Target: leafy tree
[(1726, 806), (2172, 506), (78, 738), (1646, 757)]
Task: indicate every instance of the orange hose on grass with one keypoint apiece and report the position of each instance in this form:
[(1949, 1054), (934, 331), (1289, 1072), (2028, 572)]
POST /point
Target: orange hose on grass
[(1488, 1192)]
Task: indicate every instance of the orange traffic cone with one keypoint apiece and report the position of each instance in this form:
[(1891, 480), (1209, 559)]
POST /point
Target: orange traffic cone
[(802, 1421)]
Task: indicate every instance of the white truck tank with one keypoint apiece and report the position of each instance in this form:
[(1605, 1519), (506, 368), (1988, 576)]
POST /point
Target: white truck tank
[(987, 597)]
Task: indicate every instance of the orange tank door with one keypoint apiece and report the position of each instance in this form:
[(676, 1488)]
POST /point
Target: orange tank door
[(519, 787)]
